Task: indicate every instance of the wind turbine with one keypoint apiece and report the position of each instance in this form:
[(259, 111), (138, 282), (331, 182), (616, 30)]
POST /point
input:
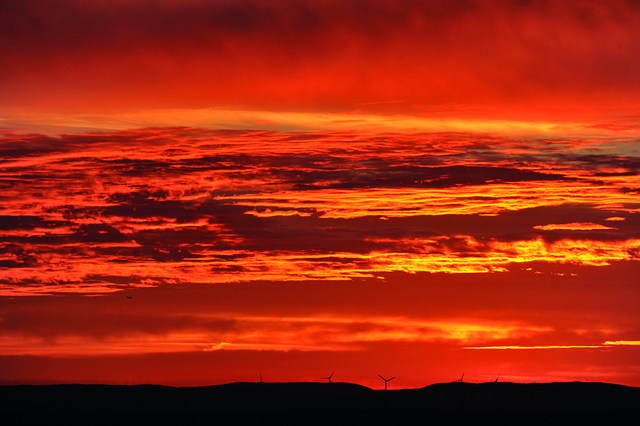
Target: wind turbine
[(260, 388), (461, 390), (329, 388), (385, 388), (496, 391), (386, 381), (329, 378)]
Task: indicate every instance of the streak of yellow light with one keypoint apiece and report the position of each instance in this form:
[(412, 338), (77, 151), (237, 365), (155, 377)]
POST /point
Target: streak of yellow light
[(536, 347), (247, 119), (269, 213), (574, 226), (603, 345), (481, 199)]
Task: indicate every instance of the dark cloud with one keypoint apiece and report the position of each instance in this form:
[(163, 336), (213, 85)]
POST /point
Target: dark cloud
[(595, 162), (422, 177), (101, 24), (49, 322), (98, 233), (21, 257), (29, 222)]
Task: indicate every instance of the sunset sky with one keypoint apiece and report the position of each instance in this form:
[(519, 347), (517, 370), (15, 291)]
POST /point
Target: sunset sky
[(202, 192)]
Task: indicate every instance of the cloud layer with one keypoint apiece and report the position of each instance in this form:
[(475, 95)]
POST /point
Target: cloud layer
[(91, 212)]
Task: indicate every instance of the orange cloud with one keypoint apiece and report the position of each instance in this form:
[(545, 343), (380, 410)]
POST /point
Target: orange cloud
[(274, 334), (575, 226), (603, 345), (197, 205)]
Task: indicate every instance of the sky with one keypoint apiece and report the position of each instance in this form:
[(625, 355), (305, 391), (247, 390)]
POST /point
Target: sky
[(204, 192)]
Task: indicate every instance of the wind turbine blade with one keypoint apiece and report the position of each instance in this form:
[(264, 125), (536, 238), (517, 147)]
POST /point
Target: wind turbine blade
[(382, 378), (331, 374), (391, 379)]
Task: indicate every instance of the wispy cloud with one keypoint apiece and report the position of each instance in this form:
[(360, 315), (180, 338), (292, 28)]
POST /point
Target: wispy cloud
[(602, 345), (203, 206)]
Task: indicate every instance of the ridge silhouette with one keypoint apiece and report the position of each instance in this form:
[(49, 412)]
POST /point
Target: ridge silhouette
[(158, 404)]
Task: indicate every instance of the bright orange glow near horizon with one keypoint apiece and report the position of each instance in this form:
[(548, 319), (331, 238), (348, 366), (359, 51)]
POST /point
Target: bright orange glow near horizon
[(197, 192)]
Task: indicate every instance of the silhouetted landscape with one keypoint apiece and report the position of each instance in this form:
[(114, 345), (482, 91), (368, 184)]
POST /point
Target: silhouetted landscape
[(315, 403)]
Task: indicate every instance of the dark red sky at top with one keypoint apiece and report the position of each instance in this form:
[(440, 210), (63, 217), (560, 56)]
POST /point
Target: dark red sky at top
[(318, 55), (413, 189)]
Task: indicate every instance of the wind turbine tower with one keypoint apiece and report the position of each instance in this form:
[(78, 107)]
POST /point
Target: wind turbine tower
[(386, 381), (461, 391), (260, 386), (385, 388), (329, 382), (496, 391)]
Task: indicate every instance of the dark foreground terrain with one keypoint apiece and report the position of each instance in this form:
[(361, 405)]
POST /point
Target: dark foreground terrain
[(319, 403)]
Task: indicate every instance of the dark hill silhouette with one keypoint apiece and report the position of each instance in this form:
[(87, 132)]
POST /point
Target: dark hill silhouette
[(310, 403)]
